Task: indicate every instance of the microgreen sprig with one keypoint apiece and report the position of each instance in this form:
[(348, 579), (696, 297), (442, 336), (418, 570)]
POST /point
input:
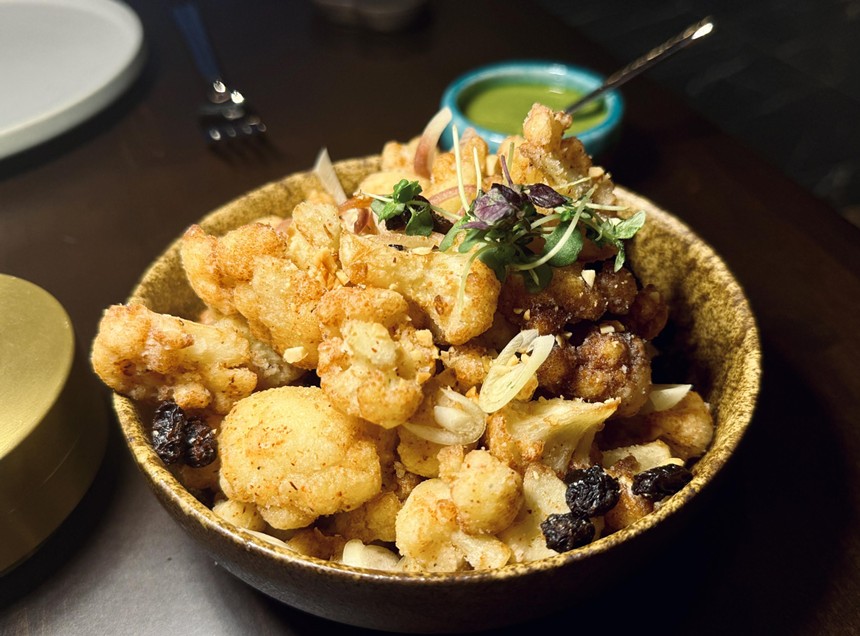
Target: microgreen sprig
[(503, 224), (503, 228), (406, 198)]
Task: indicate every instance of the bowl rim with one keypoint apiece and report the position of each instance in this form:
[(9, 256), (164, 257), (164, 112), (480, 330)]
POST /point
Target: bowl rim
[(568, 74), (167, 487)]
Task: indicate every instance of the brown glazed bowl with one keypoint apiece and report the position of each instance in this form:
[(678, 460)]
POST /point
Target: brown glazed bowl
[(711, 324)]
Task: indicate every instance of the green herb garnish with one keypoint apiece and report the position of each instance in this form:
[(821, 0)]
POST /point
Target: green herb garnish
[(406, 198), (501, 225)]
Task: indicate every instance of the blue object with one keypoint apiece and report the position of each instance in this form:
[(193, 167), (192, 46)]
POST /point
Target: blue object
[(596, 139)]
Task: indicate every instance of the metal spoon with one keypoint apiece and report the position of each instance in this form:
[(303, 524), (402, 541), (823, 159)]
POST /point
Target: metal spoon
[(652, 57)]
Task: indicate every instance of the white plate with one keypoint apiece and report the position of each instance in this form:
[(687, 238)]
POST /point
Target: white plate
[(62, 61)]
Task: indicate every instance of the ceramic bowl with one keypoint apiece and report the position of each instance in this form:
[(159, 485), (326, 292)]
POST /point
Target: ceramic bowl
[(547, 81), (712, 323)]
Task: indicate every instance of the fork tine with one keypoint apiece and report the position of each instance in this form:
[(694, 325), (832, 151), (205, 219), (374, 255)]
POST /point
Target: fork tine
[(226, 116)]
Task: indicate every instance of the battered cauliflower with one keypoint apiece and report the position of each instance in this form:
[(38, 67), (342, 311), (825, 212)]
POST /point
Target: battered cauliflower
[(250, 271), (215, 266), (544, 155), (271, 368), (296, 457), (313, 236), (373, 362), (149, 356), (470, 364), (431, 280), (430, 539), (372, 521), (550, 431), (487, 493), (607, 365), (567, 299), (279, 303), (425, 525), (543, 495), (687, 427)]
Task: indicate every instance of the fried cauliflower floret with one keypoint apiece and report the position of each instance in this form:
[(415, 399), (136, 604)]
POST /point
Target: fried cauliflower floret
[(551, 431), (543, 495), (648, 313), (251, 271), (271, 368), (430, 539), (425, 525), (487, 493), (313, 237), (382, 183), (567, 299), (630, 507), (444, 173), (544, 155), (469, 362), (612, 366), (296, 457), (431, 280), (687, 427), (215, 266), (399, 157), (278, 303), (373, 362), (149, 356), (372, 521)]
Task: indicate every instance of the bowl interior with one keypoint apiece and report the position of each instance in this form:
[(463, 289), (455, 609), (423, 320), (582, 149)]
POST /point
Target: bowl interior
[(499, 92), (712, 326)]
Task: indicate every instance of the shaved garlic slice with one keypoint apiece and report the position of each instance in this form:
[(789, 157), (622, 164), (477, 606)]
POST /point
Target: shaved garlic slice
[(324, 169), (461, 421), (267, 538), (665, 396), (423, 161), (373, 557), (508, 375)]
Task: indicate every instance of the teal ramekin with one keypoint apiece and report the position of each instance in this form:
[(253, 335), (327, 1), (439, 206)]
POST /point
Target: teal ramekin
[(596, 139)]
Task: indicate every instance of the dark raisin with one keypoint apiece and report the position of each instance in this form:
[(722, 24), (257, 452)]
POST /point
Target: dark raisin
[(399, 248), (440, 223), (566, 532), (655, 484), (591, 492), (201, 445), (397, 222), (168, 428)]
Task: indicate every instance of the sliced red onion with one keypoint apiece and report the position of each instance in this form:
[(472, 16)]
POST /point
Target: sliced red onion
[(427, 144)]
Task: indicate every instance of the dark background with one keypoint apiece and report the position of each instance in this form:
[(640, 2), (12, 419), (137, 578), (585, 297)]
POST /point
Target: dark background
[(782, 75)]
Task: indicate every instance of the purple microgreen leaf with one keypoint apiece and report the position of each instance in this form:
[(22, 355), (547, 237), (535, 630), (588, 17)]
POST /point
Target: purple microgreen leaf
[(544, 196), (499, 203)]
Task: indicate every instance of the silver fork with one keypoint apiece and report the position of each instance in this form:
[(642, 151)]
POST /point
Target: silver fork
[(225, 115)]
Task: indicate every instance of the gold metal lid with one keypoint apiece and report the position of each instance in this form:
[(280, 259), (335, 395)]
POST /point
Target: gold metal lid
[(52, 426)]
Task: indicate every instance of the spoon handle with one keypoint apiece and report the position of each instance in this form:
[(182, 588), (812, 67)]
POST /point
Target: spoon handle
[(652, 57)]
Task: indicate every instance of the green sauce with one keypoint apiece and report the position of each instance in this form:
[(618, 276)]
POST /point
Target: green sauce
[(503, 107)]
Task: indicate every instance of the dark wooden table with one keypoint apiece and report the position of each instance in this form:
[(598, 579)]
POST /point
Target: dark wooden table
[(774, 547)]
